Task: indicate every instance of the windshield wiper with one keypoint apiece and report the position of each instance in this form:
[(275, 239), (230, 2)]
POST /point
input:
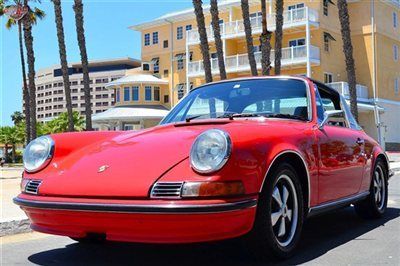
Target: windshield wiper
[(226, 114), (288, 116), (235, 115)]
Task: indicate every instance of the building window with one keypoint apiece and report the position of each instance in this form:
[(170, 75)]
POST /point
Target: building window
[(147, 93), (127, 94), (155, 37), (297, 6), (325, 7), (165, 73), (166, 98), (327, 38), (190, 56), (156, 93), (181, 91), (395, 52), (135, 93), (188, 27), (297, 42), (328, 77), (395, 22), (179, 33), (156, 64), (165, 44), (117, 96), (396, 86), (179, 60), (147, 39), (145, 66)]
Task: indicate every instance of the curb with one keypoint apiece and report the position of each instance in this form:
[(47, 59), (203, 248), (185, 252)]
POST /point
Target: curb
[(16, 226)]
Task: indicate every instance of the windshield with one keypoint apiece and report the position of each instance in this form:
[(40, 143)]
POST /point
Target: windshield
[(281, 98)]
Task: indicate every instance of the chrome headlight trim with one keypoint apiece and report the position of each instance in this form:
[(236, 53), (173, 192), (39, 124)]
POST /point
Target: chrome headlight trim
[(225, 155), (44, 160)]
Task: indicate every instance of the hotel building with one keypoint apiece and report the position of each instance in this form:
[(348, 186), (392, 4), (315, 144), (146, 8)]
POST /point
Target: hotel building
[(312, 46), (50, 96)]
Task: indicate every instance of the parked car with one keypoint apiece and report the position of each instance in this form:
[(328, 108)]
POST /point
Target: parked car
[(250, 157)]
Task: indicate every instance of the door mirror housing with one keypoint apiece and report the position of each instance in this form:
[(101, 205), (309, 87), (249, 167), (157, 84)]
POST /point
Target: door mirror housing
[(328, 115)]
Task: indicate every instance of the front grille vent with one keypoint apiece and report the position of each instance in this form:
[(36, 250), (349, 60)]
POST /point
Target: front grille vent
[(166, 190), (32, 187)]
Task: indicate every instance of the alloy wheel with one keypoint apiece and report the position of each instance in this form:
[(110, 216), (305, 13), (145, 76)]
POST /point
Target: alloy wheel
[(379, 187), (284, 210)]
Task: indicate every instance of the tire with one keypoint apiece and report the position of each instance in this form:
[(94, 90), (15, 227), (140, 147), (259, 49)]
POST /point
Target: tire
[(267, 236), (374, 206)]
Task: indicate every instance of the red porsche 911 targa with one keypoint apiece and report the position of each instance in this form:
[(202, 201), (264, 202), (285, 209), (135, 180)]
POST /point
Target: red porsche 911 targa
[(249, 157)]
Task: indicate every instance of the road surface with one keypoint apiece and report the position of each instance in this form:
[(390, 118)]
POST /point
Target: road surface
[(339, 238)]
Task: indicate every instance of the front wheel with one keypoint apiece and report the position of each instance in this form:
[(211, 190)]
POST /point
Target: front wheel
[(374, 206), (280, 215)]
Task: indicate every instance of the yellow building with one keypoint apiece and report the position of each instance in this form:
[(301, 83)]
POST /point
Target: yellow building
[(312, 46)]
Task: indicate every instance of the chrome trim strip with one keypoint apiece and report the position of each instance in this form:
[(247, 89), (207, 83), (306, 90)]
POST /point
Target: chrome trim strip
[(305, 165), (337, 203), (128, 208)]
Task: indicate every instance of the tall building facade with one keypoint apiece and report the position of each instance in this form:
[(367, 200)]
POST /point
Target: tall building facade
[(50, 95), (312, 46)]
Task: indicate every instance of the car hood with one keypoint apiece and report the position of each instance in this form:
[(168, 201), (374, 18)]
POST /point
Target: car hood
[(127, 165)]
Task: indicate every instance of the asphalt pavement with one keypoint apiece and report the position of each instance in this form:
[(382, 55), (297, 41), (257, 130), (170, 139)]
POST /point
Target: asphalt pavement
[(339, 238)]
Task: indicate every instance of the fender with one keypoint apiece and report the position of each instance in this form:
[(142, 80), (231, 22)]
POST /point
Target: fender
[(304, 164)]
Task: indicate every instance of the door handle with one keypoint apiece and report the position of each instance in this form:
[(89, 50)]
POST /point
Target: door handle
[(360, 141)]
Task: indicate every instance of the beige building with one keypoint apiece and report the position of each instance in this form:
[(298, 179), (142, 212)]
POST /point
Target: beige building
[(50, 96), (312, 46)]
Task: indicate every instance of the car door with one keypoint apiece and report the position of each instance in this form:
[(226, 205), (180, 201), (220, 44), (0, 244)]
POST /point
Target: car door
[(341, 152)]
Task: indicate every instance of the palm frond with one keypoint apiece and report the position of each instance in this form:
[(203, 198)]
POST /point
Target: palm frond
[(10, 23)]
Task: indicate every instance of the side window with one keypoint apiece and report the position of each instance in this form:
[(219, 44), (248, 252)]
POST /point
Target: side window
[(352, 121), (330, 102)]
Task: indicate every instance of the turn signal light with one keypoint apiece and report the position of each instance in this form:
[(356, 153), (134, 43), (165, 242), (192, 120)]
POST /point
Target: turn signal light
[(212, 189)]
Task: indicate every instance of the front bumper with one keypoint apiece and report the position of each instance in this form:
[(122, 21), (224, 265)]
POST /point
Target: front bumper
[(148, 221)]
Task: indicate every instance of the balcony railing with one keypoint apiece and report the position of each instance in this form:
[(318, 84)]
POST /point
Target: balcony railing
[(240, 62), (236, 28), (343, 88)]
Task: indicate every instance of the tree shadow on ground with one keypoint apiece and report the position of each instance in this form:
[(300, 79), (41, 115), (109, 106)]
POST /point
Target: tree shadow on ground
[(320, 235)]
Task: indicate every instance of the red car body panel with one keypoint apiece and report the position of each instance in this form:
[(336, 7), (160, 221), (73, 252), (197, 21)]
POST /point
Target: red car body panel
[(336, 167)]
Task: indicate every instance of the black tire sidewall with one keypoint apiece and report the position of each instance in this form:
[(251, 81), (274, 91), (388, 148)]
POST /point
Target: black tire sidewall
[(263, 225)]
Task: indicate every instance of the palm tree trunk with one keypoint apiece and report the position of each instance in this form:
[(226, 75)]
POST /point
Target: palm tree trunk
[(217, 36), (249, 37), (25, 90), (348, 54), (64, 63), (198, 10), (80, 30), (27, 25), (265, 41), (278, 35), (13, 153)]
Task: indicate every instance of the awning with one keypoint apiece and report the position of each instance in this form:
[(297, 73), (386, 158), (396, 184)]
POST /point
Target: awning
[(130, 113), (155, 61), (328, 36), (139, 78), (180, 56)]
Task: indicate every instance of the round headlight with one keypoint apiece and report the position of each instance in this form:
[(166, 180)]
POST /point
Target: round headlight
[(38, 153), (210, 151)]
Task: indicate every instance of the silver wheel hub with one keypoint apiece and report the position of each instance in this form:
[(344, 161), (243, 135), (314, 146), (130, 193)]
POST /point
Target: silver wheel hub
[(284, 210), (379, 187)]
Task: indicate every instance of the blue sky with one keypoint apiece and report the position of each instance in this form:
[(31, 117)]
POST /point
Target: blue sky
[(107, 36)]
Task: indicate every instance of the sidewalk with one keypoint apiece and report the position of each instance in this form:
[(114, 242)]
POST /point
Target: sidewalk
[(13, 220)]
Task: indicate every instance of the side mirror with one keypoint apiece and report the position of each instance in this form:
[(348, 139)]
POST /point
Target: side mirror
[(328, 115)]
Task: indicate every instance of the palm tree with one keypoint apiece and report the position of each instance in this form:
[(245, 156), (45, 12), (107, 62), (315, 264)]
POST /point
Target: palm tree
[(249, 37), (278, 35), (64, 63), (80, 30), (17, 117), (265, 41), (10, 136), (31, 19), (201, 27), (217, 36), (60, 124), (348, 54), (25, 92)]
